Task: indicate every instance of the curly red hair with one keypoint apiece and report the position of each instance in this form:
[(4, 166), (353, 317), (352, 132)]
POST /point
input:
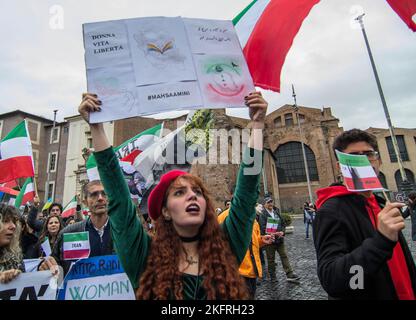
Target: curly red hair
[(162, 279)]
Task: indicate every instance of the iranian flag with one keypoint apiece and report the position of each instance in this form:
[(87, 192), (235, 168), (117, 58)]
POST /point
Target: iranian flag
[(266, 29), (16, 154), (76, 245), (27, 193), (128, 150), (70, 209), (358, 173)]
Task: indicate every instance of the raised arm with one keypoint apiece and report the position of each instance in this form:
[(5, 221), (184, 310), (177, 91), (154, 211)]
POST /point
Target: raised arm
[(239, 222), (130, 239)]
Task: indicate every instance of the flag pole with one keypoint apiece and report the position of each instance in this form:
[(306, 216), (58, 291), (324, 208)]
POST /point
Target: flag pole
[(405, 182), (295, 106), (36, 185)]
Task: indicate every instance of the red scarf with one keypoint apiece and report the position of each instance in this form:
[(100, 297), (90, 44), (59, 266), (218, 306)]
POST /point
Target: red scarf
[(397, 264)]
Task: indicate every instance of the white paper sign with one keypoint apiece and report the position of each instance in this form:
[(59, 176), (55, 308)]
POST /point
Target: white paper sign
[(212, 36), (109, 287), (143, 66), (30, 286)]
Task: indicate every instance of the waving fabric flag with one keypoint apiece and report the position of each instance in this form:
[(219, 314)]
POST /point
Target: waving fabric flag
[(70, 209), (47, 204), (406, 9), (16, 154), (27, 193), (128, 150), (266, 29)]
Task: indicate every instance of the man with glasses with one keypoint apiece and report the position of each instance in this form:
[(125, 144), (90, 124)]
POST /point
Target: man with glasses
[(97, 225), (361, 251)]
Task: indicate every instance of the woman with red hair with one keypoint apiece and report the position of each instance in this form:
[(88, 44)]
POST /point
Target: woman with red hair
[(190, 256)]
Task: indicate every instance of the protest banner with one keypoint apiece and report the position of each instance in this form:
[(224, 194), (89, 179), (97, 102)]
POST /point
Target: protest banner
[(30, 286), (97, 278), (150, 65)]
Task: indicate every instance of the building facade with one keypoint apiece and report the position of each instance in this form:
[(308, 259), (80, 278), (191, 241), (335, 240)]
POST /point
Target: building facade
[(40, 141), (78, 145), (390, 175)]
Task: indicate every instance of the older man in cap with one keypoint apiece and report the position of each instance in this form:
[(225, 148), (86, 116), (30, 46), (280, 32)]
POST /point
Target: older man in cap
[(271, 222)]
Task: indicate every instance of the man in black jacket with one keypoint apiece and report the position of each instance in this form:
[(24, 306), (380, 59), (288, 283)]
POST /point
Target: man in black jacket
[(360, 249), (97, 225), (272, 212)]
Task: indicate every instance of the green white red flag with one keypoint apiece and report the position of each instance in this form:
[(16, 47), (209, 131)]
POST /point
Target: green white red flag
[(76, 245), (16, 154), (128, 150), (358, 173), (26, 194), (70, 209), (266, 29)]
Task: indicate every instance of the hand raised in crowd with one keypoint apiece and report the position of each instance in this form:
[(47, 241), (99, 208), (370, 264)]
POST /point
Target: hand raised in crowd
[(9, 275), (390, 221), (89, 103), (257, 106), (50, 264)]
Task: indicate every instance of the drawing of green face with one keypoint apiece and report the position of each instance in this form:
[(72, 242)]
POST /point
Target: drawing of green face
[(226, 79)]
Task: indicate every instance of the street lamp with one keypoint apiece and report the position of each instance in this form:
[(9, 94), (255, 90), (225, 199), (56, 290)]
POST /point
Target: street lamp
[(295, 107)]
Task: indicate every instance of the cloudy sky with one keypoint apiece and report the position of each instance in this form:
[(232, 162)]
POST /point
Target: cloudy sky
[(42, 68)]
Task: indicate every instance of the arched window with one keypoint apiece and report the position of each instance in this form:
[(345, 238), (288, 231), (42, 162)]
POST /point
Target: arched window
[(398, 178), (382, 179), (290, 165), (301, 118)]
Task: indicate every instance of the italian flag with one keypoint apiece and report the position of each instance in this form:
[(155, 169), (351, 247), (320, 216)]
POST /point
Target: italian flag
[(70, 209), (266, 29), (358, 173), (128, 150), (76, 245), (16, 154), (27, 193)]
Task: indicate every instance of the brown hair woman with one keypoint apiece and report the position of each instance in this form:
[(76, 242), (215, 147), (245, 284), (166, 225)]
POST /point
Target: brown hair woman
[(190, 256)]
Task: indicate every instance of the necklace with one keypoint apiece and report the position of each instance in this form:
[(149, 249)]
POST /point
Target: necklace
[(191, 260)]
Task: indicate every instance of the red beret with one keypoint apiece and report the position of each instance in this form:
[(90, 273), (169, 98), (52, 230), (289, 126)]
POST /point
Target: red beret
[(155, 200)]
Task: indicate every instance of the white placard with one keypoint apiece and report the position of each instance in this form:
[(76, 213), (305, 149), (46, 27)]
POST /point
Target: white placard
[(30, 286)]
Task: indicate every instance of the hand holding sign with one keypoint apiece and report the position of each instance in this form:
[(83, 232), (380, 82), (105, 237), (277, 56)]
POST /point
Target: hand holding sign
[(9, 275), (390, 221)]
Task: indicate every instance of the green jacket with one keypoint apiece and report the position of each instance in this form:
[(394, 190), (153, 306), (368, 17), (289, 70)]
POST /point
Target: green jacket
[(132, 242)]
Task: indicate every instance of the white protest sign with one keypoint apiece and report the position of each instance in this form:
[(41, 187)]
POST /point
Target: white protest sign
[(30, 286), (144, 66), (46, 247)]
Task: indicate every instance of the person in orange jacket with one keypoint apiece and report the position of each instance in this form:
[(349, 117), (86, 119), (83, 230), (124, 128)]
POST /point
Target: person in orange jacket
[(250, 268)]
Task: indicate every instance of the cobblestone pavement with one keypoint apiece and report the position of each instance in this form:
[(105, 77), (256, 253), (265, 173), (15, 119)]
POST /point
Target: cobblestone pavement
[(301, 253)]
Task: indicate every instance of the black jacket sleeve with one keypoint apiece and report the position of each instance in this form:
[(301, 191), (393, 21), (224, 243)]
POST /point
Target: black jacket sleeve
[(34, 223), (335, 255)]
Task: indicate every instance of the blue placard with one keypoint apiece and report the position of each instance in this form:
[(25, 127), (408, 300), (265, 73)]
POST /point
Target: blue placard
[(91, 267)]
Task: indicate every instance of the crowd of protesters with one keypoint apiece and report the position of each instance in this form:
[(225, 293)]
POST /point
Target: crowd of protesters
[(186, 249)]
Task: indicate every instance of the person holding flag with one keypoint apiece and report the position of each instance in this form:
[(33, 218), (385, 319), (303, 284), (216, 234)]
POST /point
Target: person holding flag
[(361, 251), (87, 238), (190, 256)]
